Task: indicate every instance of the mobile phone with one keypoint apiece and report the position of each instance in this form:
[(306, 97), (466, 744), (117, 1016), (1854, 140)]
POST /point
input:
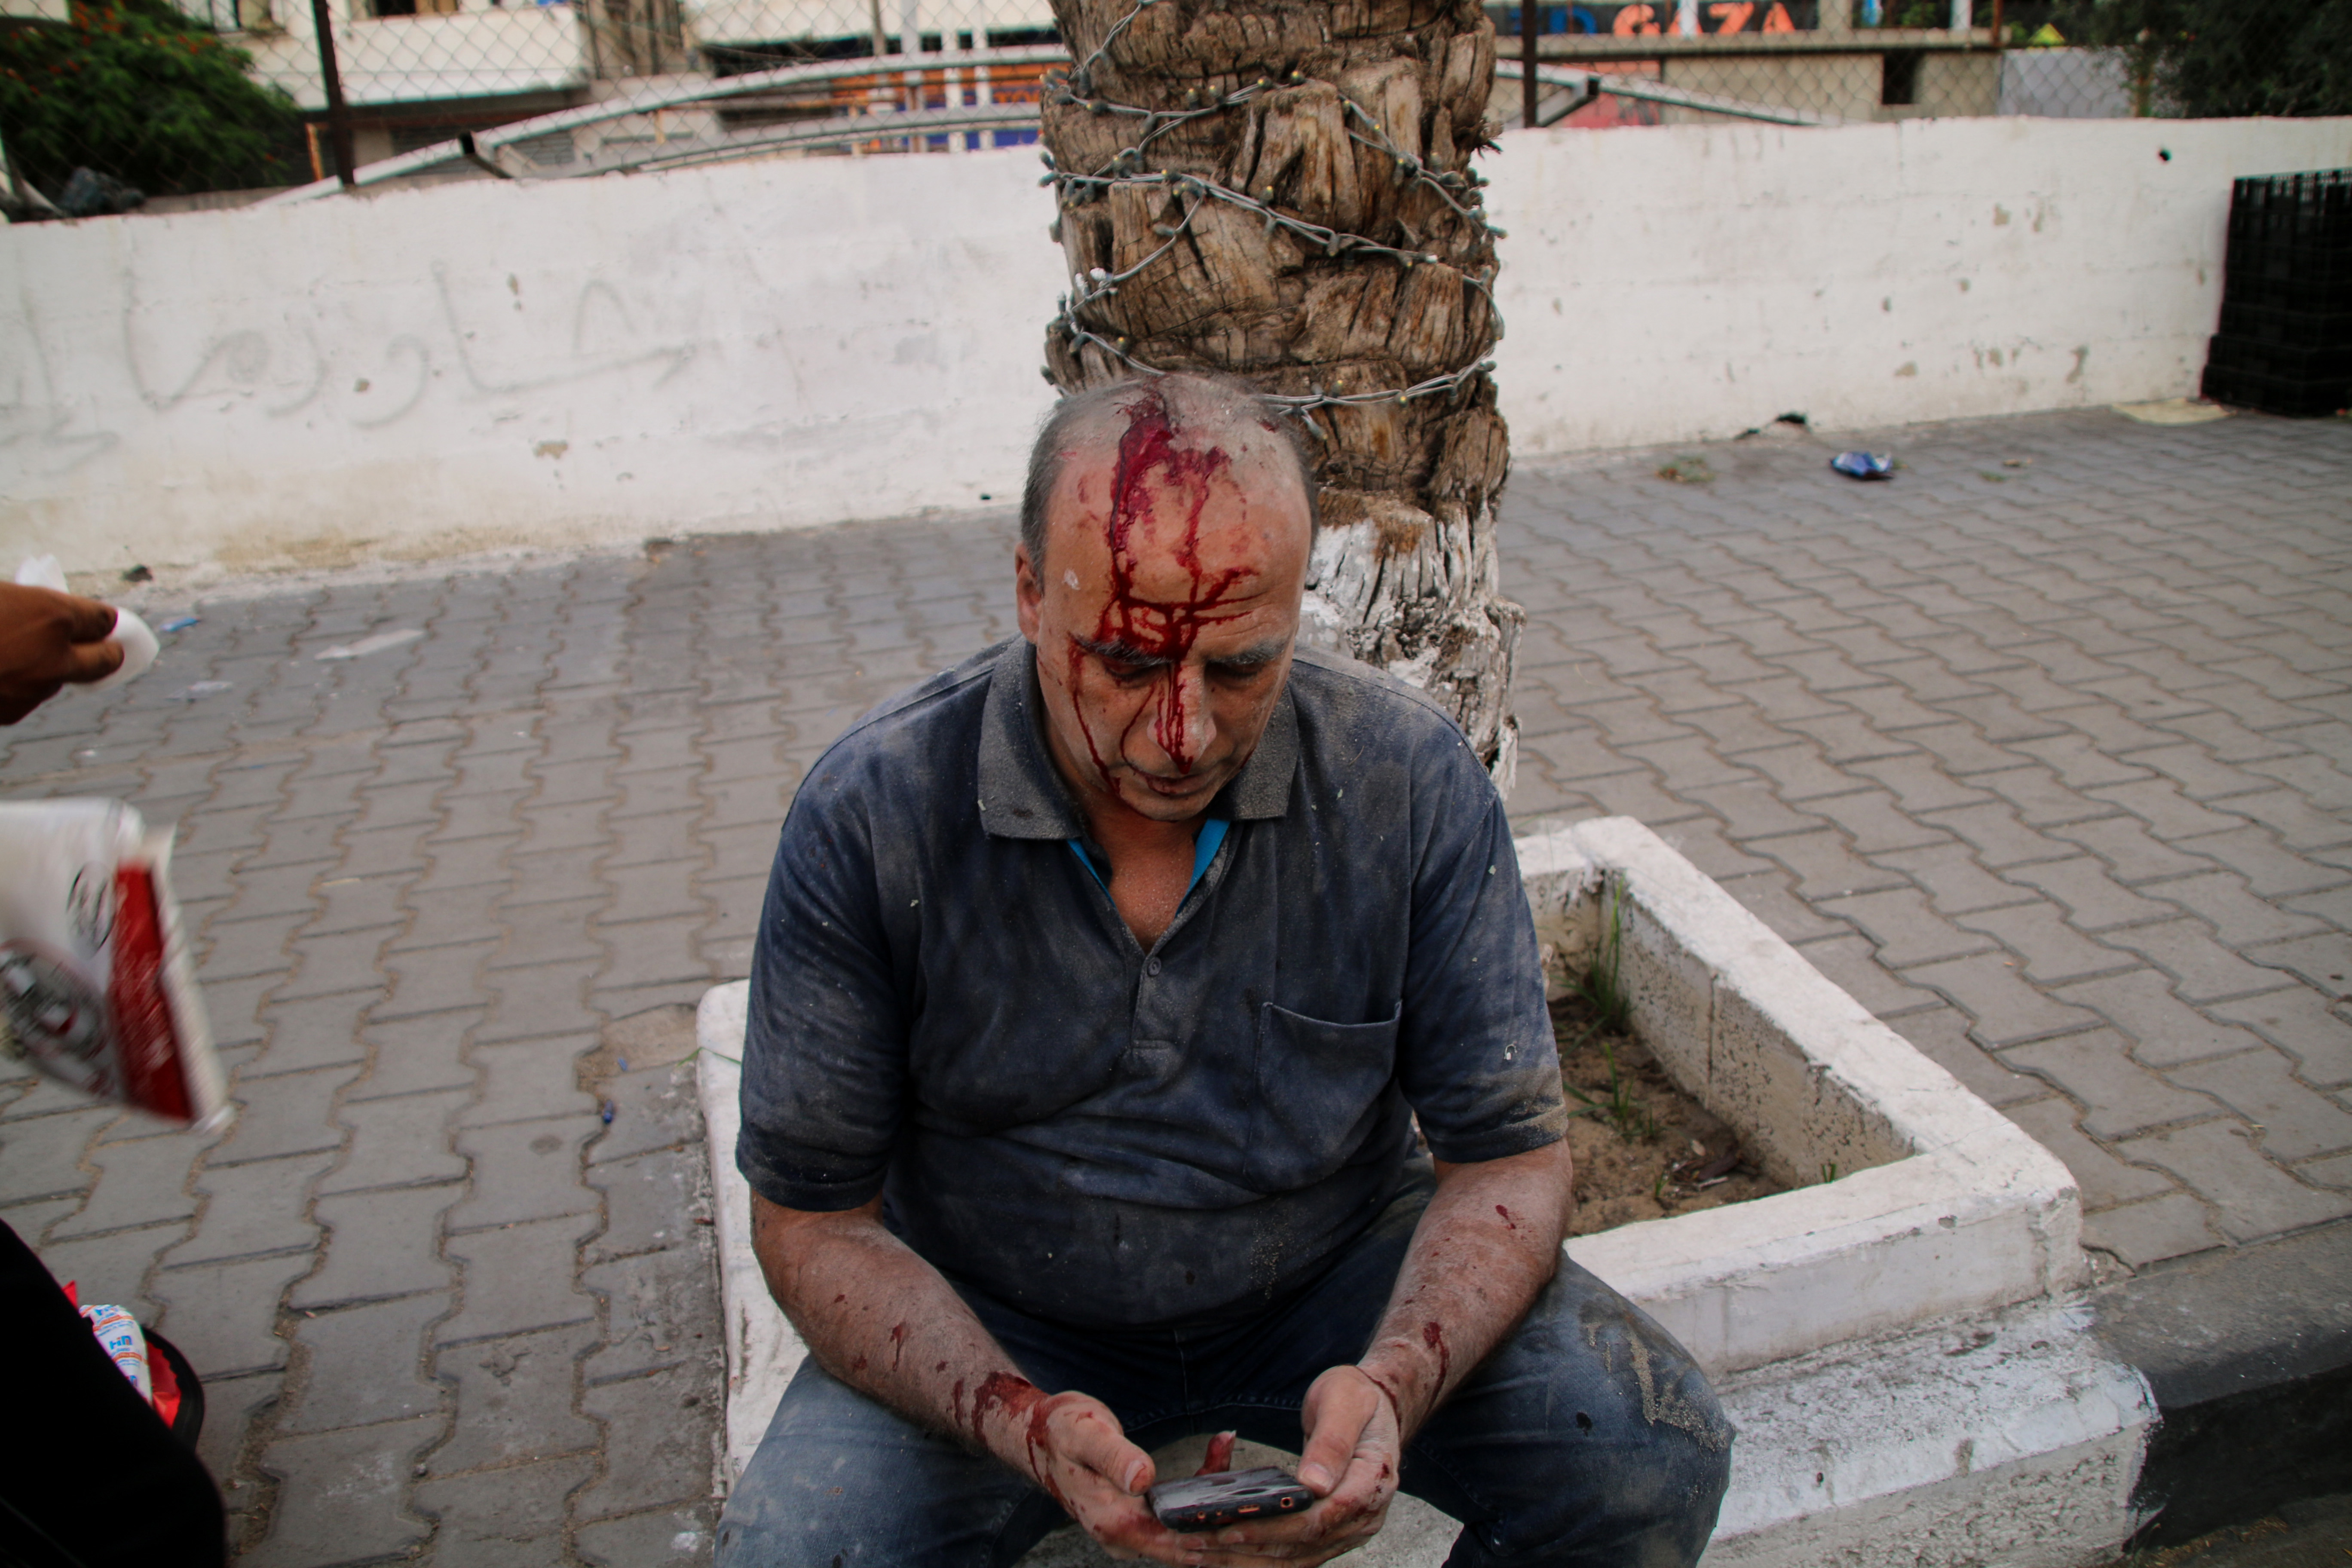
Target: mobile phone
[(1235, 1497)]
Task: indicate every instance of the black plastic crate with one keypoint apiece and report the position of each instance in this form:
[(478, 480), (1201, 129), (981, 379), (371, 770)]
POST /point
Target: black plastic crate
[(2292, 209), (2313, 296), (2296, 399), (2285, 275), (2319, 366), (2291, 243), (2289, 328)]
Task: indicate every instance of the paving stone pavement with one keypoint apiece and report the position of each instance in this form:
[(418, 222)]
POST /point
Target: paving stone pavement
[(2049, 764), (451, 900)]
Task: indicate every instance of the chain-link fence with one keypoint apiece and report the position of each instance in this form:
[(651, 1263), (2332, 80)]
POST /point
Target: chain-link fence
[(1845, 60), (104, 100)]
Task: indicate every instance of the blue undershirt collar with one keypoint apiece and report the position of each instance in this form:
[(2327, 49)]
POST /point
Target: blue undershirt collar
[(1205, 844)]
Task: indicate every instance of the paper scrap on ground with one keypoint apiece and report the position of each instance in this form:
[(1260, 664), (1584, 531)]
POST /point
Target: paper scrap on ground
[(366, 645), (2173, 411)]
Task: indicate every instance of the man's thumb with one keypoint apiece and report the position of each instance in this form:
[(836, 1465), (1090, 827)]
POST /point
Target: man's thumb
[(1337, 1411), (1095, 1441)]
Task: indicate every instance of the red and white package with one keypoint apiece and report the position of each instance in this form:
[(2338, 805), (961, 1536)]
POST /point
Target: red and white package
[(96, 986), (119, 1336), (134, 1354)]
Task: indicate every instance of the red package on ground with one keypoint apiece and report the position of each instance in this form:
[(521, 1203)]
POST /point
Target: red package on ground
[(96, 986)]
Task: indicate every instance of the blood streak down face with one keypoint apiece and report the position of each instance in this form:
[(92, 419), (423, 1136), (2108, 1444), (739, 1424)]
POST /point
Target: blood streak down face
[(1160, 629), (1171, 597)]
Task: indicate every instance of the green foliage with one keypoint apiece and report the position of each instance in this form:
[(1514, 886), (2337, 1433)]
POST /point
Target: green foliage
[(2211, 57), (1621, 1108), (135, 89), (1602, 983), (1603, 988)]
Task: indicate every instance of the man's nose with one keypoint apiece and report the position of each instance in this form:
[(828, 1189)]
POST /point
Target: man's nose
[(1183, 726)]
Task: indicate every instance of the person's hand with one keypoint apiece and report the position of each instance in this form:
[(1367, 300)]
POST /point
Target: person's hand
[(48, 639), (1351, 1462), (1350, 1465), (1071, 1445)]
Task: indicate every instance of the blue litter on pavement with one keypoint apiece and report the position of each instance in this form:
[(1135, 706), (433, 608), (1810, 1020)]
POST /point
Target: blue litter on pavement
[(1863, 465), (179, 622)]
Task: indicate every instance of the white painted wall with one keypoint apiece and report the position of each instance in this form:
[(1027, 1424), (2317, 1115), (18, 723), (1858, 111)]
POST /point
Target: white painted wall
[(778, 344), (759, 345), (1692, 281)]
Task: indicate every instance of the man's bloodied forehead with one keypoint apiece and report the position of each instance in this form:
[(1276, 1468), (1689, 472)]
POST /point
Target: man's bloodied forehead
[(1189, 472)]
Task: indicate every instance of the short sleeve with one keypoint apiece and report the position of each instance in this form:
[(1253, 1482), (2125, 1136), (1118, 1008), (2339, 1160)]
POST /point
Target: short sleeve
[(1475, 1055), (824, 1047)]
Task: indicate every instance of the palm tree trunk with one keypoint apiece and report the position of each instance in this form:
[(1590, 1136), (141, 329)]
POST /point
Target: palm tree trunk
[(1280, 190)]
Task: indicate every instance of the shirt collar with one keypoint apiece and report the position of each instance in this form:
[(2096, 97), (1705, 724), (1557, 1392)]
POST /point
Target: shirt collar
[(1020, 795)]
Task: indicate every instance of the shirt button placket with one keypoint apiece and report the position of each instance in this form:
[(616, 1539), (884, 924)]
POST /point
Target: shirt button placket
[(1152, 967)]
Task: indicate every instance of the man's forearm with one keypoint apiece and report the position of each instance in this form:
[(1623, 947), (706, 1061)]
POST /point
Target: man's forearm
[(1487, 1243), (886, 1322)]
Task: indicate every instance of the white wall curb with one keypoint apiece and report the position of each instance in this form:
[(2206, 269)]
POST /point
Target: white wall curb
[(762, 1349), (1940, 1204)]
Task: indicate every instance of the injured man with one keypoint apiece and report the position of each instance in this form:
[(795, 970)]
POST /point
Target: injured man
[(1146, 1038)]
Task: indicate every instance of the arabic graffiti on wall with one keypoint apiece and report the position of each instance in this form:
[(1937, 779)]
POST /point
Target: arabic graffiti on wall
[(286, 363)]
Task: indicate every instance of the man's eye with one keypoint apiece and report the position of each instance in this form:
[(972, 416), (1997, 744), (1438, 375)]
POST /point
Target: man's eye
[(1121, 670), (1239, 674)]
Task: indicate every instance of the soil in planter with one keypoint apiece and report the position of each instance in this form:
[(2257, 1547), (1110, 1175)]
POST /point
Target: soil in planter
[(1644, 1149)]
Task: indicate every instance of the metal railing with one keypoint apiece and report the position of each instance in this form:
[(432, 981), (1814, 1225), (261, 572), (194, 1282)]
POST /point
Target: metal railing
[(874, 126)]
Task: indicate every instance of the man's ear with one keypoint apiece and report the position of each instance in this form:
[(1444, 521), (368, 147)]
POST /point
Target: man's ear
[(1028, 592)]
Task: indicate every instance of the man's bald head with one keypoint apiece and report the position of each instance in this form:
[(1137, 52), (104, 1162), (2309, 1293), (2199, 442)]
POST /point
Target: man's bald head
[(1179, 519), (1216, 410)]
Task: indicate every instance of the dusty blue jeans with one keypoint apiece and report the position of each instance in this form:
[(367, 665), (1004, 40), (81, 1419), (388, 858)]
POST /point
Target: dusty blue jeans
[(1587, 1438)]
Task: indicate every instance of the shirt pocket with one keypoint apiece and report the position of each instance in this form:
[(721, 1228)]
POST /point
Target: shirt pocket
[(1320, 1093)]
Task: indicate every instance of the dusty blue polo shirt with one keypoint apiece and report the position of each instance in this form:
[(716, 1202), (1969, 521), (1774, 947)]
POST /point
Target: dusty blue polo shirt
[(946, 1006)]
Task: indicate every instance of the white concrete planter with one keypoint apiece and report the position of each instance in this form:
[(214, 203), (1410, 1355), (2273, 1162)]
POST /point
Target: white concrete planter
[(1889, 1341), (1938, 1205)]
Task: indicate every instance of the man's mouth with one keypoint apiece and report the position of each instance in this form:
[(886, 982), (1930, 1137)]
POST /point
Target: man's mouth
[(1176, 789)]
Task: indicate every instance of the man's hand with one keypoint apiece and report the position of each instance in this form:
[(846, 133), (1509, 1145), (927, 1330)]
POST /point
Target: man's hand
[(1351, 1462), (1488, 1241), (48, 639), (1073, 1447)]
